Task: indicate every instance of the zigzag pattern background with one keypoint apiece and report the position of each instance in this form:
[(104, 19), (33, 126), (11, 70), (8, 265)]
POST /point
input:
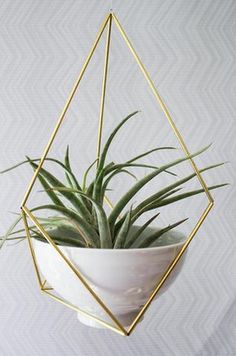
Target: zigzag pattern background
[(189, 48)]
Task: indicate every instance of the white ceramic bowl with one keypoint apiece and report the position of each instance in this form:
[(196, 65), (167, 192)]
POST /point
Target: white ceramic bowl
[(122, 278)]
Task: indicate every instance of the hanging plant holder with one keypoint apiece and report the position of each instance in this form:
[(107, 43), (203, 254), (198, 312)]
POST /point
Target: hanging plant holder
[(111, 321)]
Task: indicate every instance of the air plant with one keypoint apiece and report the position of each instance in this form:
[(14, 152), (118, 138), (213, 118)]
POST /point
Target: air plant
[(81, 219)]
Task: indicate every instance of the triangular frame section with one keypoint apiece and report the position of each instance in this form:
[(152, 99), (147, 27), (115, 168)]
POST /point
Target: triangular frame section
[(27, 214)]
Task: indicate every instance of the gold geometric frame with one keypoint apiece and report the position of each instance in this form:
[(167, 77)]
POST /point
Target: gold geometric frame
[(27, 214)]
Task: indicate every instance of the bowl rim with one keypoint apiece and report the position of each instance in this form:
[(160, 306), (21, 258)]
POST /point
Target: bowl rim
[(127, 250)]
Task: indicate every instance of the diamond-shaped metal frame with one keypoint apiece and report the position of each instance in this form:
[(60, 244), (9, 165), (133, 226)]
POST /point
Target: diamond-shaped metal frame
[(27, 214)]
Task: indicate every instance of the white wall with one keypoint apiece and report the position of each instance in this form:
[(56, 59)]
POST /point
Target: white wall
[(188, 46)]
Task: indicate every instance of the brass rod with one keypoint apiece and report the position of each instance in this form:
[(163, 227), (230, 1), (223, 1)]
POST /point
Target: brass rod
[(110, 204), (108, 201), (91, 316), (32, 250), (27, 213), (104, 85), (73, 268), (60, 120), (162, 105), (44, 283), (44, 287), (170, 267)]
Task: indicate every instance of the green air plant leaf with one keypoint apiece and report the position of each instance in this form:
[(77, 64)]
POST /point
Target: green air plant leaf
[(163, 202), (73, 183), (67, 159), (88, 233), (60, 230), (68, 167), (80, 207), (149, 152), (65, 235), (31, 227), (98, 192), (82, 220), (130, 162), (143, 206), (111, 167), (16, 241), (123, 232), (10, 230), (60, 241), (140, 165), (107, 181), (95, 185), (84, 184), (54, 198), (100, 189), (135, 236), (102, 157), (149, 240), (103, 226), (72, 176), (130, 194)]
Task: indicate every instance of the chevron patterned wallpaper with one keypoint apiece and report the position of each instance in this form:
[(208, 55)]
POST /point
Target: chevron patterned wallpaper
[(189, 48)]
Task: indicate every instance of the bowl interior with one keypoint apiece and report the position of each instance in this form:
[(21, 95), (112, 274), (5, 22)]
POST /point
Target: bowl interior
[(169, 238), (172, 237)]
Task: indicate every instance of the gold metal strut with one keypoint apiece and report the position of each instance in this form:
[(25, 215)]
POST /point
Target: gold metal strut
[(27, 214)]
